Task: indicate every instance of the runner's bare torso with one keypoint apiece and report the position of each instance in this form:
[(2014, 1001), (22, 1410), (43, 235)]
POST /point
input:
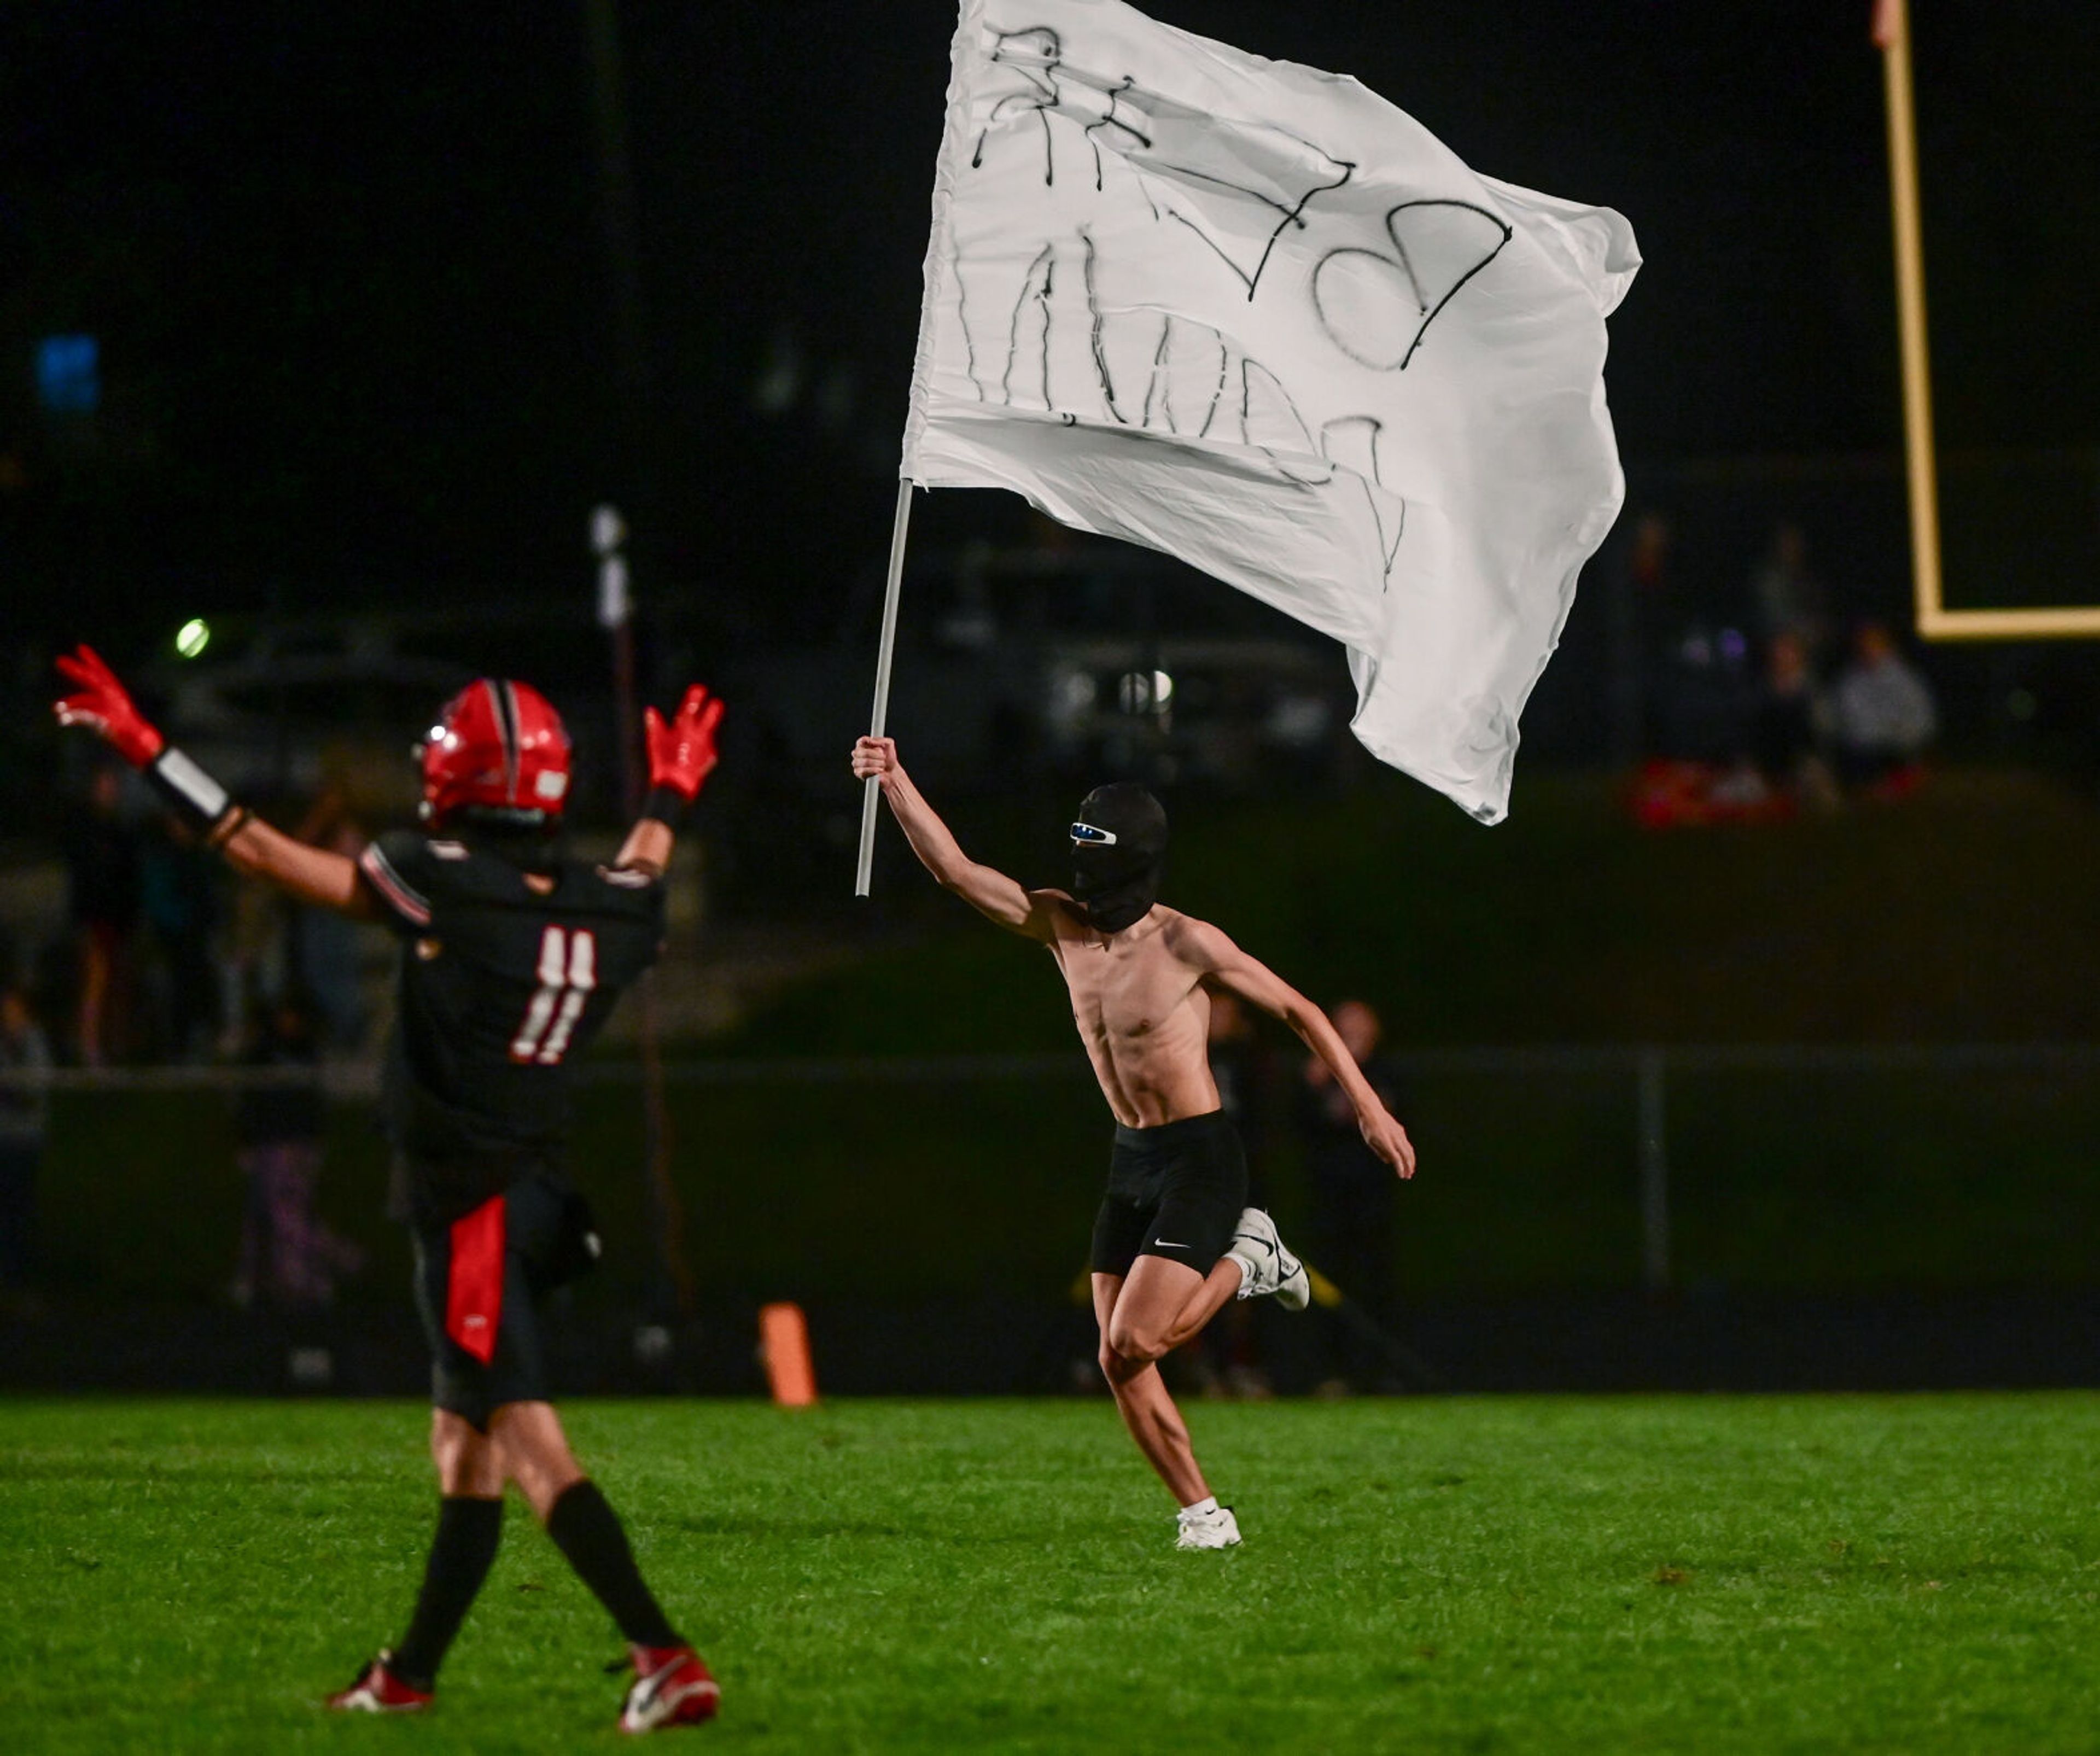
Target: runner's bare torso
[(1141, 995), (1141, 1009)]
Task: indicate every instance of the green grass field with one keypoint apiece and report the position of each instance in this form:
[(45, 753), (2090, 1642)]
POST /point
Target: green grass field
[(1703, 1574)]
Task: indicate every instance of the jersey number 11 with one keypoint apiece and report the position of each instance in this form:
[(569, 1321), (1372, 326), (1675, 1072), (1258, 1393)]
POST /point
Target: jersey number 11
[(568, 971)]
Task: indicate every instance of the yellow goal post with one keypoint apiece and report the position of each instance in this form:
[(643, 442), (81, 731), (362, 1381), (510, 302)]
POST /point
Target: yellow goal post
[(1935, 621)]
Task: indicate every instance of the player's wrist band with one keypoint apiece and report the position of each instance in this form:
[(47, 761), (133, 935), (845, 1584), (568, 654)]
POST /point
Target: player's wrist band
[(227, 828), (197, 799), (668, 807)]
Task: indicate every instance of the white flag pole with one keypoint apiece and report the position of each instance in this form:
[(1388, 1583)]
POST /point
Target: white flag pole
[(871, 795)]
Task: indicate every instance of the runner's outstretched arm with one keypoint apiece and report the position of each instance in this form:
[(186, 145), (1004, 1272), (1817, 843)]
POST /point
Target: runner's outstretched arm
[(991, 893), (681, 756), (1226, 966)]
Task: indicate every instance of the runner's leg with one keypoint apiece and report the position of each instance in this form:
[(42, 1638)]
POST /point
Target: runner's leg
[(1141, 1396), (1164, 1304), (1219, 1288)]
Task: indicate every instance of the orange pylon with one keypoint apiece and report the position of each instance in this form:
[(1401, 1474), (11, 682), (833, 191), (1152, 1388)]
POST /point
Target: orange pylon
[(784, 1344)]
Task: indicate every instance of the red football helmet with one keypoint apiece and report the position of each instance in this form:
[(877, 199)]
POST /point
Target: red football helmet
[(498, 746)]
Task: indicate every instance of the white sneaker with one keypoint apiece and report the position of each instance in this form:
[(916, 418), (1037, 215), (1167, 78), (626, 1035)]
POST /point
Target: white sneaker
[(1265, 1266), (1207, 1530), (1254, 1247)]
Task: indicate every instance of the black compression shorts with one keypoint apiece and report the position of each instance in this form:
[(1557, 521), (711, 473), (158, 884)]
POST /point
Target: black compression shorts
[(1176, 1191), (479, 1285)]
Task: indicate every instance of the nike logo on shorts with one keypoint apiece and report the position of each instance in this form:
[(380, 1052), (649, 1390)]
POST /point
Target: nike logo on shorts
[(1161, 1243)]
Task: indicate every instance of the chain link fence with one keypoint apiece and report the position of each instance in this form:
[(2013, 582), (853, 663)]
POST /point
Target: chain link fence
[(1769, 1169)]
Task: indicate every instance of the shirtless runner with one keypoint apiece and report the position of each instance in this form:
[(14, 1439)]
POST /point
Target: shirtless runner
[(1173, 1241)]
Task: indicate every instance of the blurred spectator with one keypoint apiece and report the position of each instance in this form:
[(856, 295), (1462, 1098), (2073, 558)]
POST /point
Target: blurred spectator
[(178, 888), (258, 952), (1788, 597), (326, 946), (25, 1057), (1703, 697), (1790, 731), (288, 1258), (1228, 1359), (1886, 716), (101, 853), (1695, 694), (1355, 1198), (1651, 618), (1648, 561), (1240, 1064)]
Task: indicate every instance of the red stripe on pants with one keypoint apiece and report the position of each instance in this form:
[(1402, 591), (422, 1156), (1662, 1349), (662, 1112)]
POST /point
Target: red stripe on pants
[(474, 1289)]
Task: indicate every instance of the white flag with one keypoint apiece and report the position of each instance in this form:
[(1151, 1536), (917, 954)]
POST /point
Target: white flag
[(1251, 314)]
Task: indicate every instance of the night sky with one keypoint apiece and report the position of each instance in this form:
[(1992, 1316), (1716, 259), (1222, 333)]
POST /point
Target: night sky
[(362, 338)]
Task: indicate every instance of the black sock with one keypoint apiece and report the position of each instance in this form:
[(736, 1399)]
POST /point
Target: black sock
[(461, 1553), (586, 1529)]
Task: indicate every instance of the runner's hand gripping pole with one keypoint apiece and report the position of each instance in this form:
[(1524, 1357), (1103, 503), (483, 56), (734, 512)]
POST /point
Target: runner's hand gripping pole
[(103, 705), (872, 788)]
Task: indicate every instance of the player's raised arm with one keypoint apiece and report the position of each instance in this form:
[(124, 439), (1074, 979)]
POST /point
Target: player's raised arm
[(1226, 966), (102, 705), (681, 756), (991, 893)]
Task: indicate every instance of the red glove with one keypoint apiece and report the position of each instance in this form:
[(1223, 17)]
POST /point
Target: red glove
[(102, 705), (682, 754)]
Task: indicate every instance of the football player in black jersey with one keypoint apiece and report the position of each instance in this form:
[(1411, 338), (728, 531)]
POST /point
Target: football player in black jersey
[(512, 956)]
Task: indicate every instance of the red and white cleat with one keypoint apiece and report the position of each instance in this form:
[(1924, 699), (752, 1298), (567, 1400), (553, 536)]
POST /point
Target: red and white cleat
[(671, 1687), (378, 1691)]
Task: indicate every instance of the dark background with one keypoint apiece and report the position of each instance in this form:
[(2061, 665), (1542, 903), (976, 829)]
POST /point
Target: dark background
[(365, 340), (387, 299)]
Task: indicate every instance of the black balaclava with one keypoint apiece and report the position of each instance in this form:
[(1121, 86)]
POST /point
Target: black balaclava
[(1118, 847)]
